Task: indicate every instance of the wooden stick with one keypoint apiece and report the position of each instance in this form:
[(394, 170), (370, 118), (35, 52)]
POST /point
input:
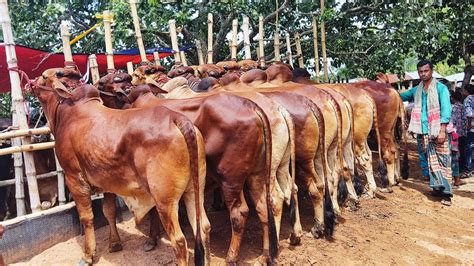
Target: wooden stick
[(109, 51), (19, 119), (174, 41), (138, 33), (233, 46), (288, 49), (28, 147), (65, 35), (245, 29), (210, 23), (277, 47), (25, 132), (316, 52), (156, 56), (94, 68), (260, 41), (130, 68), (323, 44), (199, 52), (183, 58), (299, 53)]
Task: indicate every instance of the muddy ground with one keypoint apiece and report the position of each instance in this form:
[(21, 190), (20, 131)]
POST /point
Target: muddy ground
[(405, 227)]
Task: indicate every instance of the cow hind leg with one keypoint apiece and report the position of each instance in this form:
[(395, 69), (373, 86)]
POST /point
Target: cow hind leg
[(364, 160), (154, 231), (349, 175), (316, 192), (290, 190), (333, 181), (238, 217), (110, 210)]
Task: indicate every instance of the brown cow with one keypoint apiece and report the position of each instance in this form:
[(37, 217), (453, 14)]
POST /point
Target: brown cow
[(238, 150), (150, 156)]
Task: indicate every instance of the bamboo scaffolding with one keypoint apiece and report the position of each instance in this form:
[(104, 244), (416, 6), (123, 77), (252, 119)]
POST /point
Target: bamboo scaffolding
[(156, 56), (65, 35), (130, 68), (109, 51), (323, 44), (138, 33), (27, 147), (19, 119), (61, 179), (245, 30), (233, 45), (210, 22), (288, 49), (25, 132), (94, 68), (10, 182), (315, 45), (299, 53), (182, 55), (276, 46), (174, 41), (199, 52), (260, 42)]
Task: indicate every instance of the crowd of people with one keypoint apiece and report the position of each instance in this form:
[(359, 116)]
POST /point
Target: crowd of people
[(443, 122)]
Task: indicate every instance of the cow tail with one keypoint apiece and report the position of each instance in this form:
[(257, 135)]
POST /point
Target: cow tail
[(273, 241), (382, 169), (190, 135), (405, 169), (292, 135), (329, 216)]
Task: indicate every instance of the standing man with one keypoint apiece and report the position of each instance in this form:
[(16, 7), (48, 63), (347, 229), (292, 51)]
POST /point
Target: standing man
[(469, 116), (429, 118)]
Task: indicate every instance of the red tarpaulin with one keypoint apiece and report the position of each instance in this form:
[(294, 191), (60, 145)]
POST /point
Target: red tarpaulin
[(33, 62)]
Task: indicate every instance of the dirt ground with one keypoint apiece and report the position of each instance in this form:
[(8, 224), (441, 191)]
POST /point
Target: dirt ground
[(407, 227)]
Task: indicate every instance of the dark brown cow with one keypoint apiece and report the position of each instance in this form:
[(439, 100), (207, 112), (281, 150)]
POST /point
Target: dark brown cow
[(238, 151), (149, 156)]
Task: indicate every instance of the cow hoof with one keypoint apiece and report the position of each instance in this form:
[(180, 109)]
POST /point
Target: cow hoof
[(85, 262), (264, 260), (294, 239), (231, 260), (46, 205), (386, 190), (149, 245), (114, 247), (353, 205), (317, 231)]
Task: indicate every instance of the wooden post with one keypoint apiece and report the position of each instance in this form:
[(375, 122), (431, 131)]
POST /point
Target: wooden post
[(299, 53), (210, 23), (19, 120), (288, 49), (138, 33), (65, 35), (323, 44), (260, 41), (130, 68), (245, 29), (277, 46), (182, 55), (109, 51), (94, 68), (174, 41), (60, 174), (233, 46), (156, 56), (199, 52), (315, 45)]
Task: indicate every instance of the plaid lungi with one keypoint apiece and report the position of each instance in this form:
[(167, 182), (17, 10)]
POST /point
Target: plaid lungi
[(439, 161)]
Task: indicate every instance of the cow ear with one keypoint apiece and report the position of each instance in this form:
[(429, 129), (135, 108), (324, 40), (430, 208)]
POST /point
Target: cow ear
[(61, 89), (151, 81)]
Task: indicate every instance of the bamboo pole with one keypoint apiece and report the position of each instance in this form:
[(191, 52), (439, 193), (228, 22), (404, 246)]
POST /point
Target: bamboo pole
[(174, 41), (323, 44), (199, 52), (156, 56), (19, 119), (288, 49), (182, 55), (25, 132), (130, 68), (299, 53), (260, 41), (65, 35), (210, 22), (60, 176), (316, 51), (94, 68), (245, 29), (109, 51), (138, 33), (277, 47), (27, 147), (233, 46)]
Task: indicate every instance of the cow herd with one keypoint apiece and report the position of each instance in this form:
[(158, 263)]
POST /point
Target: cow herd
[(240, 132)]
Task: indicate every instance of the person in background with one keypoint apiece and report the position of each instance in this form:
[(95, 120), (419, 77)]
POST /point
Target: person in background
[(458, 137), (429, 118), (469, 116), (1, 234)]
